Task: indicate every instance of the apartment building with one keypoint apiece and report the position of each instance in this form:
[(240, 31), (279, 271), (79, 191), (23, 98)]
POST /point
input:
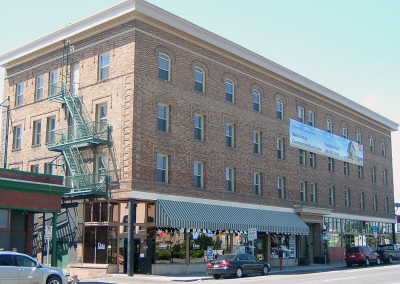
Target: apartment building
[(174, 140)]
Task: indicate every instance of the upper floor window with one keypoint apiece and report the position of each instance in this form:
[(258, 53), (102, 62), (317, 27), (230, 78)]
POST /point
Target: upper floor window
[(347, 198), (313, 193), (360, 172), (346, 168), (300, 112), (53, 80), (230, 179), (279, 109), (311, 118), (257, 183), (163, 118), (162, 168), (48, 169), (331, 196), (256, 101), (331, 164), (19, 95), (281, 187), (164, 67), (344, 131), (257, 142), (374, 202), (17, 137), (386, 204), (198, 174), (329, 125), (371, 144), (384, 177), (302, 155), (39, 88), (35, 169), (199, 79), (359, 137), (100, 167), (104, 66), (101, 116), (198, 127), (362, 205), (383, 148), (229, 91), (313, 159), (280, 148), (373, 174), (303, 193), (230, 135), (37, 132)]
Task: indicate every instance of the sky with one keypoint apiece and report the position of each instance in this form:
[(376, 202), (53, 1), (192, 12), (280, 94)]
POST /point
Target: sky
[(349, 46)]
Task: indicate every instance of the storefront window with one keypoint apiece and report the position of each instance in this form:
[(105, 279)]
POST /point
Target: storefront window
[(283, 246)]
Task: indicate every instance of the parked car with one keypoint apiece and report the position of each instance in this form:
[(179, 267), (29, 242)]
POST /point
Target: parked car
[(388, 252), (236, 265), (361, 255), (20, 268)]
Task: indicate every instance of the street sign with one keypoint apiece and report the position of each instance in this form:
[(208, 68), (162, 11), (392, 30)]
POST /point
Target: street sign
[(48, 232), (252, 233)]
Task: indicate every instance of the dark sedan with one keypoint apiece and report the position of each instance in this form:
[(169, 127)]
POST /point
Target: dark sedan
[(236, 265)]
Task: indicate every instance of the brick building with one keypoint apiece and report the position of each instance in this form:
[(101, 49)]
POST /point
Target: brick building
[(186, 137)]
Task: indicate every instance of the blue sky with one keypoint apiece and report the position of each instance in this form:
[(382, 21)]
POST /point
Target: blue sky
[(349, 46)]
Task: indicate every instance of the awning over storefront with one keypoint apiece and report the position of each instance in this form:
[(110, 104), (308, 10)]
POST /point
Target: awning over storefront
[(190, 215)]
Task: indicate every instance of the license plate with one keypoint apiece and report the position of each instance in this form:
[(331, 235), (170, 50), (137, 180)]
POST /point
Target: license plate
[(216, 266), (353, 256)]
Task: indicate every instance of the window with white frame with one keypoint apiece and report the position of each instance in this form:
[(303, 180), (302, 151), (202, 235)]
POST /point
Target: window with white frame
[(375, 203), (362, 205), (359, 137), (48, 169), (281, 187), (302, 155), (101, 116), (230, 135), (303, 193), (313, 160), (256, 101), (384, 177), (257, 142), (360, 172), (313, 193), (164, 66), (279, 109), (39, 88), (383, 148), (344, 131), (199, 80), (386, 204), (17, 137), (331, 195), (100, 167), (346, 168), (104, 66), (37, 132), (280, 149), (371, 144), (230, 179), (163, 118), (311, 118), (51, 128), (53, 81), (373, 174), (329, 125), (19, 95), (198, 174), (198, 127), (331, 164), (300, 113), (35, 169), (257, 183), (162, 168), (229, 91), (347, 198)]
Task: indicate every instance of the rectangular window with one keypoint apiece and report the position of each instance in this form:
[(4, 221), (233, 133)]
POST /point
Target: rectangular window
[(362, 206), (360, 172), (331, 196), (300, 112), (39, 88), (257, 183), (53, 80), (229, 133), (198, 127), (311, 118), (373, 174), (303, 193), (281, 187), (359, 137), (279, 109), (384, 177), (383, 149), (344, 131), (230, 179), (48, 169), (163, 67), (198, 80), (346, 168), (313, 193), (104, 66), (371, 144), (280, 149), (386, 200), (331, 164), (19, 95), (257, 142), (229, 91), (101, 117), (51, 128), (375, 203), (198, 174), (329, 126), (37, 132), (162, 168), (100, 167), (313, 160), (302, 155), (347, 198), (35, 169), (17, 137), (256, 101), (163, 118)]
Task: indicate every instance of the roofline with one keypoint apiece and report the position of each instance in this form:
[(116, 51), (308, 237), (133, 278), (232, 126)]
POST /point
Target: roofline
[(176, 22)]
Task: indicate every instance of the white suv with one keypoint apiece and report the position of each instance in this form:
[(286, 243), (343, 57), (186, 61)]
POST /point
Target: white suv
[(20, 268)]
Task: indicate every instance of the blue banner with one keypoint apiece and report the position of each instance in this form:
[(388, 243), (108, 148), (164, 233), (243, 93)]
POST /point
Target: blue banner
[(311, 139)]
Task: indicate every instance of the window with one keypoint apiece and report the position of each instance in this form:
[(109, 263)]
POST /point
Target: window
[(279, 109), (362, 206), (198, 174), (311, 118), (19, 95), (257, 142), (101, 117), (39, 88), (256, 101), (329, 126), (198, 127), (384, 177), (347, 198), (35, 169), (359, 137), (104, 66), (48, 169), (300, 112), (163, 118), (37, 132), (302, 157), (281, 187), (313, 160), (162, 168), (386, 201), (331, 196), (346, 168), (198, 79), (360, 172), (164, 65), (53, 80), (229, 91), (374, 203), (383, 148), (331, 164), (229, 132), (230, 179), (313, 193), (373, 174), (17, 137), (303, 191), (100, 167), (280, 149), (344, 131), (371, 144), (257, 183)]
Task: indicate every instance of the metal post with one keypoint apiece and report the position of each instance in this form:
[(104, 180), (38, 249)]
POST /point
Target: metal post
[(6, 129), (131, 227), (54, 241)]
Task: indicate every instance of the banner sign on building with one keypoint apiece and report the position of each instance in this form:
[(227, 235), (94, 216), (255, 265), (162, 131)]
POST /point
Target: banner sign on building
[(312, 139)]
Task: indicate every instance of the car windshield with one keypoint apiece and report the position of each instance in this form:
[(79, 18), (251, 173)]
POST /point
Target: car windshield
[(227, 257)]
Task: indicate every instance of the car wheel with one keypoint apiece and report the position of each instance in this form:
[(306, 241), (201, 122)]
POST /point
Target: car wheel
[(348, 264), (239, 273), (367, 263), (216, 276), (378, 261), (265, 270), (389, 259), (53, 280)]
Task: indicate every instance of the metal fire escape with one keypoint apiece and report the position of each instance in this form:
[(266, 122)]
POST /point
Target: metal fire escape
[(82, 134)]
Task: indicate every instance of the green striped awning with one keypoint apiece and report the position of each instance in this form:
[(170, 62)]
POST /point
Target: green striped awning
[(191, 215)]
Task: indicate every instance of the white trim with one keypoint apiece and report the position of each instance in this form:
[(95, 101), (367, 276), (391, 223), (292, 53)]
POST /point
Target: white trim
[(361, 218)]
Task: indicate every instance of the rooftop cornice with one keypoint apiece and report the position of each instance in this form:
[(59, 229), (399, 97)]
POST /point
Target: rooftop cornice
[(131, 9)]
